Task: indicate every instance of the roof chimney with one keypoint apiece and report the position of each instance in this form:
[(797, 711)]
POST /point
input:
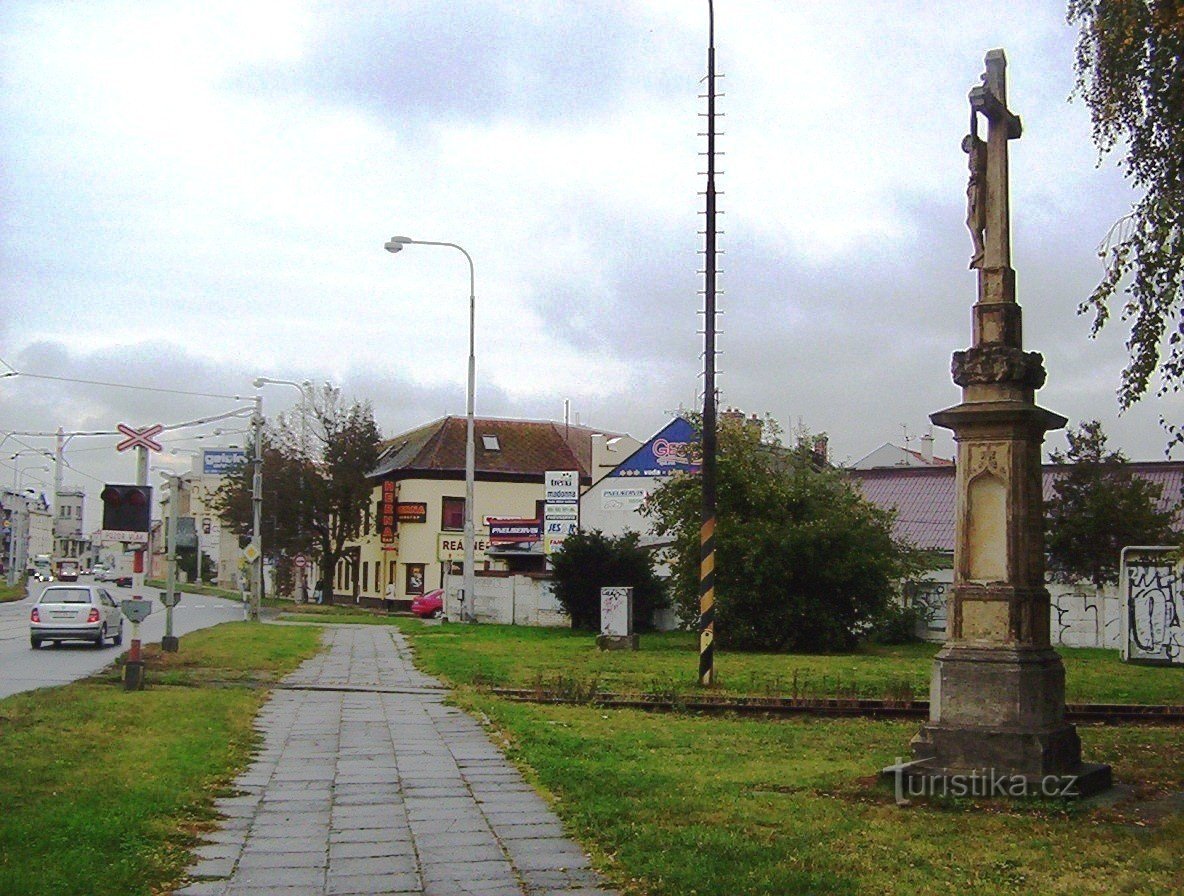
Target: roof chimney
[(927, 447)]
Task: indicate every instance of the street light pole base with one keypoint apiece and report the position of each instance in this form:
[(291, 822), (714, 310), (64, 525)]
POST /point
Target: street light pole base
[(170, 644), (133, 675)]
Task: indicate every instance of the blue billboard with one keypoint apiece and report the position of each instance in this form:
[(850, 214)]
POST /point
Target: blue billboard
[(675, 449), (222, 461)]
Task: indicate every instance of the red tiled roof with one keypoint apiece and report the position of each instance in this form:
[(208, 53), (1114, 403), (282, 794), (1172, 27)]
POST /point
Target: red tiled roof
[(923, 497), (526, 448)]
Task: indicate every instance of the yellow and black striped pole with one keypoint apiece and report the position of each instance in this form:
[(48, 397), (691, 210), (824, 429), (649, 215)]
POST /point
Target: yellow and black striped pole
[(707, 530)]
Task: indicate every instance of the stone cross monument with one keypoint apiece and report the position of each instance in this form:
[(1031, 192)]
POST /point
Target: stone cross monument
[(997, 701)]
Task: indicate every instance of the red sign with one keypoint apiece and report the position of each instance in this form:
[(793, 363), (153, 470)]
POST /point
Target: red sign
[(412, 512), (300, 561), (386, 513), (140, 438)]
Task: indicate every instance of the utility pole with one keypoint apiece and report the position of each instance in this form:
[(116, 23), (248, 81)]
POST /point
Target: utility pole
[(169, 643), (707, 528)]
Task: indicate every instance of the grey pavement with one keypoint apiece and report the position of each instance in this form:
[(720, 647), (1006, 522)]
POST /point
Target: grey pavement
[(367, 783)]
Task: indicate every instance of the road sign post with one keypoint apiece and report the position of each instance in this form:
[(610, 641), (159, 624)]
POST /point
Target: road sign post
[(136, 610)]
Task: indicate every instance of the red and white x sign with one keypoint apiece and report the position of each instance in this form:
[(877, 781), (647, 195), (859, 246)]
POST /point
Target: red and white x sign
[(140, 438)]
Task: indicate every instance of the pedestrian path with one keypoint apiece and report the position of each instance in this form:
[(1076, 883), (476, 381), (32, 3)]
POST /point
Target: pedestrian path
[(368, 784)]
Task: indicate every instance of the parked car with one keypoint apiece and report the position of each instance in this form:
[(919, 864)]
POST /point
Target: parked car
[(430, 605), (77, 612), (122, 581)]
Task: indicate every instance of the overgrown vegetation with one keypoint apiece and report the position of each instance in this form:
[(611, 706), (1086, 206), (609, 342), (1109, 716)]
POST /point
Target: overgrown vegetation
[(803, 561)]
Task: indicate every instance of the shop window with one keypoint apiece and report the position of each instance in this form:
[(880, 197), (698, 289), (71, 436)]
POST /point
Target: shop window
[(415, 575)]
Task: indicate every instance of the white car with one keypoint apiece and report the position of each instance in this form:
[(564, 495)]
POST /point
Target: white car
[(75, 612)]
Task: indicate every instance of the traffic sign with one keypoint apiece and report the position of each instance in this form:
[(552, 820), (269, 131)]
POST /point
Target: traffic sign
[(300, 561), (251, 553), (140, 438), (170, 600), (136, 609)]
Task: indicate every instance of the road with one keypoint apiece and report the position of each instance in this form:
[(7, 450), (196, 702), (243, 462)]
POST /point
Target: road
[(25, 669)]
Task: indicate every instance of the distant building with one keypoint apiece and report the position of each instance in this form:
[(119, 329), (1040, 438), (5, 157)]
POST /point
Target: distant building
[(68, 538), (923, 499), (423, 473), (894, 456)]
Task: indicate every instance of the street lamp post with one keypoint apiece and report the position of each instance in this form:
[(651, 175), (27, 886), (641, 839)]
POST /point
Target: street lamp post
[(260, 382), (396, 244), (15, 515), (257, 511)]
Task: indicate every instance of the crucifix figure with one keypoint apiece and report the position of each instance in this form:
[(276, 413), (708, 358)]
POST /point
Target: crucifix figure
[(987, 212)]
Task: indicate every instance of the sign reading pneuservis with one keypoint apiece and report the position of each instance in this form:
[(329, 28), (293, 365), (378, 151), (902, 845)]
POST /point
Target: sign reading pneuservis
[(221, 461)]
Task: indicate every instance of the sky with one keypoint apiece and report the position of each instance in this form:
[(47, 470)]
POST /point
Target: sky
[(194, 195)]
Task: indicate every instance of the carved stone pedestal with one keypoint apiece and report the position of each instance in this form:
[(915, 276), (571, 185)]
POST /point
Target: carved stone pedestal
[(997, 701)]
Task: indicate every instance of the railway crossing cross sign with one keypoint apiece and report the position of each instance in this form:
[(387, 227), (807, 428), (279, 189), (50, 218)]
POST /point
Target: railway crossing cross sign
[(140, 438)]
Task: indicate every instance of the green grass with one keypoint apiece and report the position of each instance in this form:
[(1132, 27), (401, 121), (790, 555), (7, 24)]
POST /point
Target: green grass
[(673, 805), (16, 592), (667, 663), (104, 791)]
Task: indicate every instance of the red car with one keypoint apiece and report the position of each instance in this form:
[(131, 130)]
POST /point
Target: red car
[(430, 605)]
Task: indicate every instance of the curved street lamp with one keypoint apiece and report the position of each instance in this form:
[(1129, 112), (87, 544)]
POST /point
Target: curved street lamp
[(396, 244)]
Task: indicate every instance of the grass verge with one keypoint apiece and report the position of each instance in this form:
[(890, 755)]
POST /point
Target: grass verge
[(16, 592), (105, 791), (563, 661)]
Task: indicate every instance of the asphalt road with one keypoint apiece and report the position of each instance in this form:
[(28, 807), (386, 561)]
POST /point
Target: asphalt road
[(25, 669)]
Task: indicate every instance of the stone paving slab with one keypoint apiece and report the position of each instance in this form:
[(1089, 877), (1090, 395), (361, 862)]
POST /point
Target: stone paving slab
[(367, 783)]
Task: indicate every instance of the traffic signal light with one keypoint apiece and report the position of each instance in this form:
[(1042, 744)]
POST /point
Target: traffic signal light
[(127, 508)]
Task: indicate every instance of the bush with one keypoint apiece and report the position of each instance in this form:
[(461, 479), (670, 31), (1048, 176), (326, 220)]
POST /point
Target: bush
[(590, 561)]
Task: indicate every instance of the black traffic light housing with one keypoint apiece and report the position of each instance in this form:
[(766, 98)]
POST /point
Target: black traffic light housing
[(127, 508)]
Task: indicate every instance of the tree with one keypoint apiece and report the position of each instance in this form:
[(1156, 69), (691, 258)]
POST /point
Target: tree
[(803, 561), (1098, 507), (315, 486), (590, 561), (1129, 73)]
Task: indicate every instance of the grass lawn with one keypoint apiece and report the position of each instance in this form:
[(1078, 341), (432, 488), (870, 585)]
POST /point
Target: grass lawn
[(519, 656), (16, 592), (674, 805), (104, 790)]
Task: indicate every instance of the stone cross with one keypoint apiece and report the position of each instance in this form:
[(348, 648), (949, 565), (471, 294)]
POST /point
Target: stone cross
[(987, 198)]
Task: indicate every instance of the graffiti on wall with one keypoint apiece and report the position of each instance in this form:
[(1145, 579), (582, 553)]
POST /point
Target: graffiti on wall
[(1154, 599), (929, 600)]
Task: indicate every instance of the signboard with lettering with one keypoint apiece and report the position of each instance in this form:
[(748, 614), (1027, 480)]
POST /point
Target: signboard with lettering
[(412, 512), (562, 486), (222, 461), (514, 531), (386, 513), (676, 449), (616, 498), (451, 546)]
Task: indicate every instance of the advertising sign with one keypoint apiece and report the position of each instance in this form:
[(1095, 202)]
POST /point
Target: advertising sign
[(222, 461), (676, 449), (616, 498), (562, 486), (451, 546), (386, 513), (514, 531), (412, 512)]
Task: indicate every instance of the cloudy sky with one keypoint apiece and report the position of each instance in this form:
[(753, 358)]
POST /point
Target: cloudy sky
[(192, 195)]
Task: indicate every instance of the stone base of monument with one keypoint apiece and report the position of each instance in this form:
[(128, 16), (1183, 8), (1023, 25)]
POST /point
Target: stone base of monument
[(999, 712), (617, 642)]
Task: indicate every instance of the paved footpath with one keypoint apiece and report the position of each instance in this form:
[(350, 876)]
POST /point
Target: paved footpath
[(367, 783)]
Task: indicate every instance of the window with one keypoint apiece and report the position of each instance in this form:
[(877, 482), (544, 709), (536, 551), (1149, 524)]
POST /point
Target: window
[(490, 443), (415, 578), (390, 576), (365, 576), (452, 514)]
